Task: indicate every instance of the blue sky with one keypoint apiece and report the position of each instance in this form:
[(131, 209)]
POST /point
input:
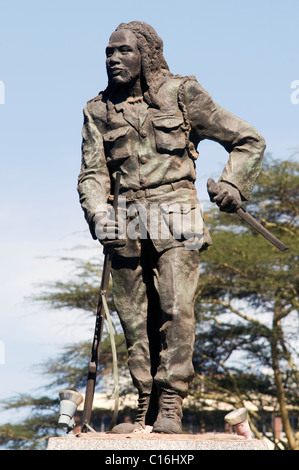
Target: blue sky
[(52, 61)]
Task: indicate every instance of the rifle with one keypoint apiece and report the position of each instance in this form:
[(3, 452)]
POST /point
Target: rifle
[(214, 188), (99, 323)]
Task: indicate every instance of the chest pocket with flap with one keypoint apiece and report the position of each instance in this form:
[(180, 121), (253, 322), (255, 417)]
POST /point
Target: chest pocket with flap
[(169, 134), (117, 143)]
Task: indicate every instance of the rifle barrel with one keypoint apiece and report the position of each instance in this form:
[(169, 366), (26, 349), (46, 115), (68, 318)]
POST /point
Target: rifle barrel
[(99, 324)]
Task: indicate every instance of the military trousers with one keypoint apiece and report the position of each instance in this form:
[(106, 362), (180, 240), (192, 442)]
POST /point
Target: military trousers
[(154, 298)]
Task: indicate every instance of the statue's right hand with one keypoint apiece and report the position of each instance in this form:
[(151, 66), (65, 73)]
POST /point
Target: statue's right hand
[(106, 229)]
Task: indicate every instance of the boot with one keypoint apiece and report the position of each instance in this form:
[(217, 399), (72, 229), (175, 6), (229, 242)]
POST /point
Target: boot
[(170, 415), (139, 423)]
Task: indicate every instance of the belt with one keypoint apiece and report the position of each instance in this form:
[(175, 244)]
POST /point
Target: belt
[(132, 194)]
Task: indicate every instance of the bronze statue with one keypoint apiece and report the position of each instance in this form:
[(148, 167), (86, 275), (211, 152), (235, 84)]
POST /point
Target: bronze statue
[(147, 125)]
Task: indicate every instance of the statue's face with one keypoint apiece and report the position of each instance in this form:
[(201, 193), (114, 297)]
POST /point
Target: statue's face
[(123, 60)]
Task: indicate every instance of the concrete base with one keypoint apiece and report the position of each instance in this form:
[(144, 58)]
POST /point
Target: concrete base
[(154, 441)]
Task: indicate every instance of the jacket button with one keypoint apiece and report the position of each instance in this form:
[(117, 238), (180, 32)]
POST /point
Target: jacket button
[(143, 159)]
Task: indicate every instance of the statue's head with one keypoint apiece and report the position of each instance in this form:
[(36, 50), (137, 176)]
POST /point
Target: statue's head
[(140, 54), (123, 59)]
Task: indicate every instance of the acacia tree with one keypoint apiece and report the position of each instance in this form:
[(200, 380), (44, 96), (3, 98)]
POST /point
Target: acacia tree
[(247, 303), (246, 311), (69, 369)]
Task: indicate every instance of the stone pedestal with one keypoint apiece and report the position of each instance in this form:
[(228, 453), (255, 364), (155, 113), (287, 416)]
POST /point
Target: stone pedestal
[(154, 442)]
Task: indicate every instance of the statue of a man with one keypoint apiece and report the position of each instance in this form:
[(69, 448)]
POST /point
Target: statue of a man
[(147, 125)]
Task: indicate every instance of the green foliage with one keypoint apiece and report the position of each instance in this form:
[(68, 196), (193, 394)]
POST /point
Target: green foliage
[(69, 369), (247, 298), (33, 433), (81, 292), (246, 312)]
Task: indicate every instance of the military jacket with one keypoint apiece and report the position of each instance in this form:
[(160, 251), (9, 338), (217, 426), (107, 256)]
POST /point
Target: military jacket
[(155, 149)]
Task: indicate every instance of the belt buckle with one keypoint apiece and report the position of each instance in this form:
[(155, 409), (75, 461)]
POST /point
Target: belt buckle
[(139, 193)]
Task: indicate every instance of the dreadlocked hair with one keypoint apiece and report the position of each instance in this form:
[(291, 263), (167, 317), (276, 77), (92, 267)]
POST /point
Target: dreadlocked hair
[(153, 64)]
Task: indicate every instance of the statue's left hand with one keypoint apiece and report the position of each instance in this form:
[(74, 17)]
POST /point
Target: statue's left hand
[(226, 196)]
